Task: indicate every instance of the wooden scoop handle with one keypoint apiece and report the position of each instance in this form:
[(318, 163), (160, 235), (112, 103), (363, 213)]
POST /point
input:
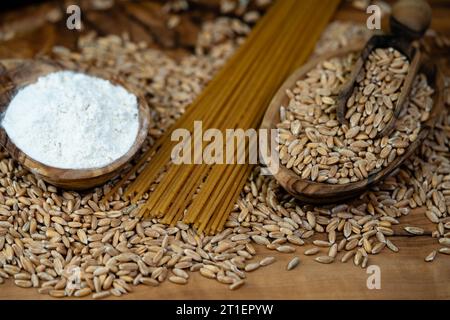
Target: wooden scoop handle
[(410, 18)]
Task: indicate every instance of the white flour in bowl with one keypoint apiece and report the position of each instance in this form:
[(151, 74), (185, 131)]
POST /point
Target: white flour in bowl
[(73, 121)]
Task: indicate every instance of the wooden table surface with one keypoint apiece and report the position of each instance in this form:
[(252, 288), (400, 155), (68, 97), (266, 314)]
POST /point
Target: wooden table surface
[(404, 275)]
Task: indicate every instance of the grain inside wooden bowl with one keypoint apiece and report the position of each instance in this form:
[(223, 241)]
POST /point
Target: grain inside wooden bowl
[(16, 74), (320, 193)]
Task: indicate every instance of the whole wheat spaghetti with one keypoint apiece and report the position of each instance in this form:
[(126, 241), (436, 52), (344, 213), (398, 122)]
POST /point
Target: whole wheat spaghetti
[(202, 194)]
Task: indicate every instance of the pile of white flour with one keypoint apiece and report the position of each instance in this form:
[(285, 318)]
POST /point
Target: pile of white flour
[(73, 121)]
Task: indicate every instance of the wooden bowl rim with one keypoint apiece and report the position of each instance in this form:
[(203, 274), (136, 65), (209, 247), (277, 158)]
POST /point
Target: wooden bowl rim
[(322, 190), (79, 174)]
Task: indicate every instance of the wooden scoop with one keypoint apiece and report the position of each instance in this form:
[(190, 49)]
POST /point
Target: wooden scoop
[(409, 21), (15, 74), (321, 193)]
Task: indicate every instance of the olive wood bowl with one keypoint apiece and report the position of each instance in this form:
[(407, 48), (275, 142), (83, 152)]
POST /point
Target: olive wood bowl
[(320, 193), (16, 74)]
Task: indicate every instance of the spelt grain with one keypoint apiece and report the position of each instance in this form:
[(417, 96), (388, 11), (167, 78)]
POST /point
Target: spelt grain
[(430, 257), (293, 263), (324, 259)]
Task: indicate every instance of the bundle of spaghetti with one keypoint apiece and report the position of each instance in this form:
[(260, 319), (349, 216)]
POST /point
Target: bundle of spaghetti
[(204, 194)]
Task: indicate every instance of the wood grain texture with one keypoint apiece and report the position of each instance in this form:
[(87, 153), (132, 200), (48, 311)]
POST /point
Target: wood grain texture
[(16, 74), (404, 275), (316, 192)]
